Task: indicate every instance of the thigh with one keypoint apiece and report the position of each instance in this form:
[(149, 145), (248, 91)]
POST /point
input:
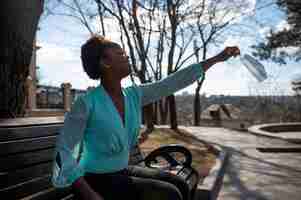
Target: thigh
[(113, 187), (150, 189), (161, 175), (130, 187)]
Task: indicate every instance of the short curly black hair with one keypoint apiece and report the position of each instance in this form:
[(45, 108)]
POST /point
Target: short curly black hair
[(92, 51)]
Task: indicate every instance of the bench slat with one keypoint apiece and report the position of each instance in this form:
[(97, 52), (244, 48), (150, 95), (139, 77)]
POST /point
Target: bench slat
[(17, 161), (26, 145), (25, 189), (15, 133), (30, 121), (69, 197), (53, 193), (26, 174)]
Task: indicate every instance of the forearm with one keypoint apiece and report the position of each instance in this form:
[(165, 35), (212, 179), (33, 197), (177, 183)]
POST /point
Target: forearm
[(174, 82), (207, 64), (180, 79)]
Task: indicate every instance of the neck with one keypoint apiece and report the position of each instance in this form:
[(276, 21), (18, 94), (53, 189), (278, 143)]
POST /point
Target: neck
[(112, 86)]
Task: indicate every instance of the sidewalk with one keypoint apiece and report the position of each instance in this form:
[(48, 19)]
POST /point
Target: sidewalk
[(251, 174)]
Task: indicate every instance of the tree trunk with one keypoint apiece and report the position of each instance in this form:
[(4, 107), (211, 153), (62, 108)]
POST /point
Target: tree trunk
[(148, 117), (163, 106), (299, 105), (19, 20), (197, 106), (172, 112), (156, 104)]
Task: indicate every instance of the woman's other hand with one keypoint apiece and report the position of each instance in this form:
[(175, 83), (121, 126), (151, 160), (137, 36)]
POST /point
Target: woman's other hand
[(143, 137), (228, 52), (84, 191)]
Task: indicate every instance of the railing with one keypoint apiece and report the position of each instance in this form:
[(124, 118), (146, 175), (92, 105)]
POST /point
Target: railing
[(45, 100)]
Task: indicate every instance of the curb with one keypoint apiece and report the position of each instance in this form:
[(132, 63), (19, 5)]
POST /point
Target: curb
[(210, 186), (259, 130)]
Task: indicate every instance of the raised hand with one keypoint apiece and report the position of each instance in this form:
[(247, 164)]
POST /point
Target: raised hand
[(228, 52)]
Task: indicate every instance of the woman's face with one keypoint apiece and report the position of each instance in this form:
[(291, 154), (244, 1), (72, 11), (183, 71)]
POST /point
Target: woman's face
[(118, 60)]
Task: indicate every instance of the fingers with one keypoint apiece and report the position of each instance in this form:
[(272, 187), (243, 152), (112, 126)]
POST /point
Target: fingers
[(227, 53), (232, 51)]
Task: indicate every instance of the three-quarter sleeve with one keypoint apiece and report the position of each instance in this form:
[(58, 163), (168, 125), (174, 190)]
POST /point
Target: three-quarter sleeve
[(152, 92), (66, 168)]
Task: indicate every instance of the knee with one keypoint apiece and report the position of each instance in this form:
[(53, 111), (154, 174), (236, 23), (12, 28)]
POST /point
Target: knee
[(173, 193), (180, 183), (161, 191)]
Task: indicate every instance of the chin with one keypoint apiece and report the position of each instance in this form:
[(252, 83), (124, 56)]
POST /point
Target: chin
[(126, 74), (126, 70)]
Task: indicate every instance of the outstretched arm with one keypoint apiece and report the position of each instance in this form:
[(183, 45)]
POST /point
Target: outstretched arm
[(154, 91)]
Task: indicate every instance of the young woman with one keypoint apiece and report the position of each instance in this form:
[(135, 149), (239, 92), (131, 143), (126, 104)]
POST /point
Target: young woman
[(106, 121)]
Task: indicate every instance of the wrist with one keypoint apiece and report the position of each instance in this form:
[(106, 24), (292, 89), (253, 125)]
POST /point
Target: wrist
[(221, 57), (210, 62), (78, 182)]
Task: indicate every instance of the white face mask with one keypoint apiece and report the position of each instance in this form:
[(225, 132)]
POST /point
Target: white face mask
[(254, 67)]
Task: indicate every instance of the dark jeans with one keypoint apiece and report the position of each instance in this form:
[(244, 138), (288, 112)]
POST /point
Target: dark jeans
[(138, 183)]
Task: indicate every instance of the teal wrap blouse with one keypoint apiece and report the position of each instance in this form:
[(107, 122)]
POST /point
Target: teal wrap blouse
[(95, 123)]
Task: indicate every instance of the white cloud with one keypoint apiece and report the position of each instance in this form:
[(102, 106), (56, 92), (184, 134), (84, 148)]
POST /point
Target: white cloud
[(265, 31), (111, 28), (52, 52), (60, 64), (282, 25)]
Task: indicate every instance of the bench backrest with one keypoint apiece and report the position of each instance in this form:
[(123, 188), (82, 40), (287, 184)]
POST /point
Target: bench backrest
[(26, 155)]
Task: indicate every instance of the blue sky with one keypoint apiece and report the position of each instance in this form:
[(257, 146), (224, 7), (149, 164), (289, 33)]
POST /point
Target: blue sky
[(60, 39)]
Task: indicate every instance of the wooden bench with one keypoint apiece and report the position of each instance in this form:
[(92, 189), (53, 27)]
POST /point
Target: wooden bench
[(26, 155)]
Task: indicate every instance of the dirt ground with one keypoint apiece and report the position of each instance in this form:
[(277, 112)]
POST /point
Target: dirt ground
[(203, 157)]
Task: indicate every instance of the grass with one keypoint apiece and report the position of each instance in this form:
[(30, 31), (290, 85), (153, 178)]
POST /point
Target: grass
[(203, 157)]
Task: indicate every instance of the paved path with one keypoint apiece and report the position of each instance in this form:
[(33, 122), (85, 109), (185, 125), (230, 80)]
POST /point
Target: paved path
[(251, 174)]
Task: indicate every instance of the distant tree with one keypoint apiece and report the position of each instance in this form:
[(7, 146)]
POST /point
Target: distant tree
[(146, 29), (213, 21), (19, 23), (297, 89), (272, 49), (39, 76)]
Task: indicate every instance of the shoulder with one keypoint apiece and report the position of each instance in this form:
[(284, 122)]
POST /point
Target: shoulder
[(88, 99), (133, 91)]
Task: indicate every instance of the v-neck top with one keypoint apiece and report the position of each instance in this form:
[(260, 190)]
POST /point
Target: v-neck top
[(94, 123)]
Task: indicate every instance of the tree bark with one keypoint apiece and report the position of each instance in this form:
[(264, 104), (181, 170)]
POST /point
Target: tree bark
[(172, 9), (156, 104), (197, 106), (172, 112), (163, 106), (148, 117), (19, 20)]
